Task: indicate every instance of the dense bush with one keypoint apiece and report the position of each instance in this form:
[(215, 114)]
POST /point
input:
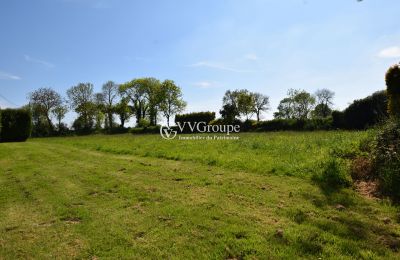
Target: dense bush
[(392, 79), (195, 117), (248, 125), (362, 113), (338, 120), (143, 122), (386, 158), (117, 130), (145, 130), (16, 125), (334, 174), (318, 124), (81, 127)]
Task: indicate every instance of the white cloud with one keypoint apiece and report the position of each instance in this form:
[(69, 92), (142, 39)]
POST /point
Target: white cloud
[(205, 84), (5, 75), (42, 62), (251, 56), (390, 52), (215, 65)]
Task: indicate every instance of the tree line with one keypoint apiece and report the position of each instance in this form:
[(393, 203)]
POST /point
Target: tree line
[(148, 99), (299, 104), (143, 98)]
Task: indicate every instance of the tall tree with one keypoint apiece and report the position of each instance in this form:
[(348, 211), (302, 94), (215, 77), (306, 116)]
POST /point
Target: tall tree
[(392, 79), (81, 99), (261, 103), (285, 109), (59, 113), (172, 102), (229, 113), (304, 103), (99, 115), (297, 105), (135, 91), (324, 98), (123, 111), (44, 100), (245, 103), (154, 98), (238, 103), (110, 94)]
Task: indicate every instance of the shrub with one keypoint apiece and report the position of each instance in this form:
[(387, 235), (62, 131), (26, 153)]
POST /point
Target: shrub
[(16, 125), (143, 122), (386, 158), (81, 128), (334, 174), (147, 130), (364, 113), (248, 125), (338, 119), (318, 124), (116, 130)]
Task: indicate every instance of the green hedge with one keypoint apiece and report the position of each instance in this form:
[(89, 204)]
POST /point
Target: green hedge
[(294, 125), (145, 130), (196, 117), (363, 113), (16, 125)]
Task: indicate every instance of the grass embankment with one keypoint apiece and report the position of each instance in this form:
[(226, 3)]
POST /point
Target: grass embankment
[(118, 196)]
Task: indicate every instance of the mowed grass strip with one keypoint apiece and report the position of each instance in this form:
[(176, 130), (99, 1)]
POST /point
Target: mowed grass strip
[(59, 200)]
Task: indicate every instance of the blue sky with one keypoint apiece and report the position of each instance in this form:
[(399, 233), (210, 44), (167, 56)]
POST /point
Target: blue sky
[(205, 46)]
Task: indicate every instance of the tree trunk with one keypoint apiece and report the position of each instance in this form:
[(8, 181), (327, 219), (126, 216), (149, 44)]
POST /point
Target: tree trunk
[(49, 122), (110, 120)]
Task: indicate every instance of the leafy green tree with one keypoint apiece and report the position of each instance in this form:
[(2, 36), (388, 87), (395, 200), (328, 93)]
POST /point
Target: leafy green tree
[(298, 105), (260, 103), (100, 106), (229, 113), (154, 96), (304, 103), (237, 103), (110, 94), (321, 111), (171, 99), (123, 111), (43, 101), (245, 103), (324, 102), (59, 113), (135, 91), (392, 79), (81, 99), (285, 109)]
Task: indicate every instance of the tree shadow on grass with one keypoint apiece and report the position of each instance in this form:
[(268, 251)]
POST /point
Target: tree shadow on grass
[(361, 232)]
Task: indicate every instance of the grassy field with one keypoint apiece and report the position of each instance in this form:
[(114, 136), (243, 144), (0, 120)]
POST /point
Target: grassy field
[(128, 196)]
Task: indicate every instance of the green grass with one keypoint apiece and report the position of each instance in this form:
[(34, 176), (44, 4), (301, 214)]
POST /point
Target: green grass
[(287, 153), (140, 197)]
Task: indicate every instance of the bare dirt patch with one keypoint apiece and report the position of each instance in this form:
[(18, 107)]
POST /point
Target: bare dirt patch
[(71, 220), (368, 189)]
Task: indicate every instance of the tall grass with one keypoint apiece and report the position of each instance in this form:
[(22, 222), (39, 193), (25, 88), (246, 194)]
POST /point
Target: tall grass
[(280, 153)]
